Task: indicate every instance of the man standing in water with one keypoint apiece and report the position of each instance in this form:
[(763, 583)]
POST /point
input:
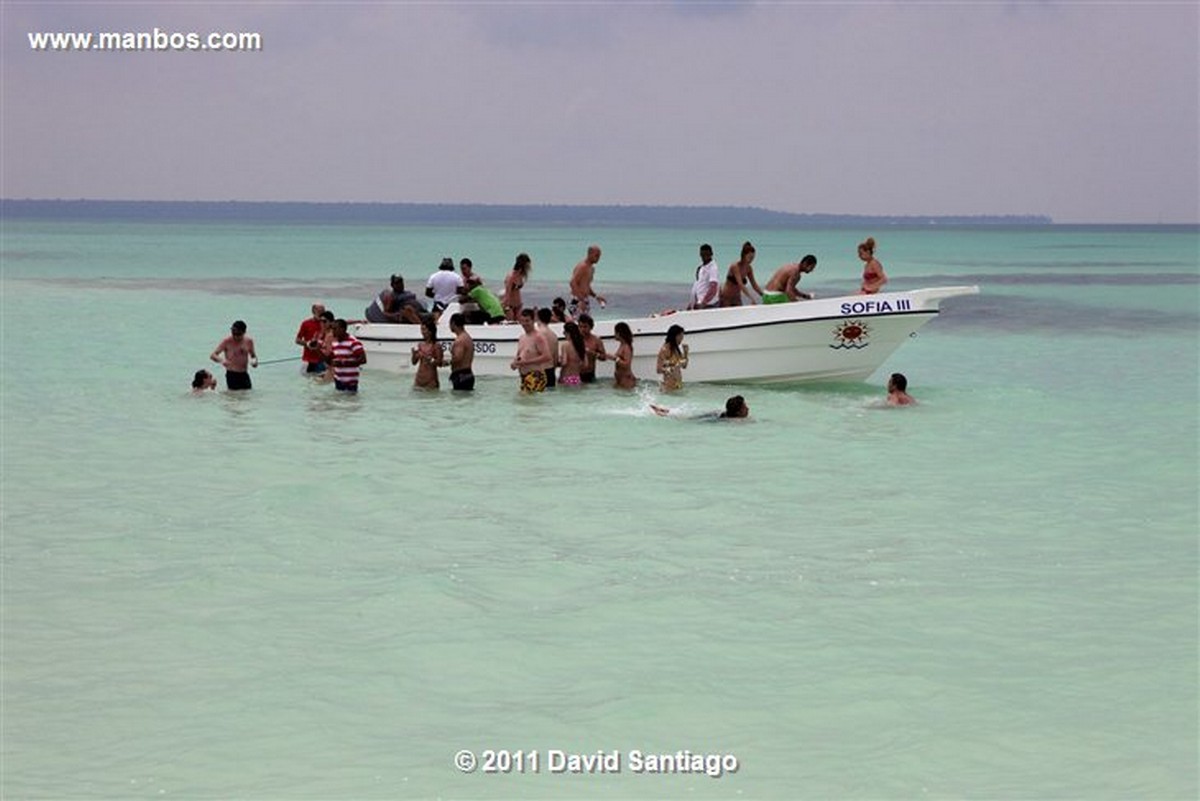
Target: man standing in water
[(898, 391), (309, 337), (462, 355), (532, 358), (234, 352), (581, 284), (347, 356)]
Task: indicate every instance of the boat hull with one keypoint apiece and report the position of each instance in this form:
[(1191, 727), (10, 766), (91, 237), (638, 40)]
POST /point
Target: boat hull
[(843, 338)]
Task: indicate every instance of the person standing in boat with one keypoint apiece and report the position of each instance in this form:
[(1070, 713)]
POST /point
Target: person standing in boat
[(783, 288), (672, 359), (395, 305), (740, 278), (513, 285), (594, 349), (428, 357), (873, 277), (532, 358), (581, 284), (706, 290), (347, 355), (462, 355), (623, 377), (235, 352), (469, 278), (442, 286)]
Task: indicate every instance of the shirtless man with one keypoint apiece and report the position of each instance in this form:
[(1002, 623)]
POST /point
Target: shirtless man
[(532, 358), (595, 349), (736, 408), (782, 286), (234, 352), (462, 355), (581, 284), (898, 391), (395, 305), (544, 317)]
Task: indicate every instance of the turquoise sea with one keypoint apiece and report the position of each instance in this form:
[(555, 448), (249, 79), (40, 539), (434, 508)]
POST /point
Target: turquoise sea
[(285, 594)]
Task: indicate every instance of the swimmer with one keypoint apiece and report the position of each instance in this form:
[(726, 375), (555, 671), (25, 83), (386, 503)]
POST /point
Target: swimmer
[(736, 408)]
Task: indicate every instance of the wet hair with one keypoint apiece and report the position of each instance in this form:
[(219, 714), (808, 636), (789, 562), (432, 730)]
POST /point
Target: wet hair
[(457, 320), (868, 245), (238, 327), (734, 406), (809, 259), (622, 332), (747, 248), (545, 315), (576, 336), (672, 333), (198, 379), (523, 263), (429, 329), (899, 382)]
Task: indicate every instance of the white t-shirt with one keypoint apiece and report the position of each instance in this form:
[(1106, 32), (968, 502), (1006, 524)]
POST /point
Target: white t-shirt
[(709, 273), (445, 284)]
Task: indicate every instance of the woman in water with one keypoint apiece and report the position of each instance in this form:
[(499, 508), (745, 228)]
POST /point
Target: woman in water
[(873, 277), (428, 356), (623, 377), (672, 358), (513, 284), (571, 355), (741, 272)]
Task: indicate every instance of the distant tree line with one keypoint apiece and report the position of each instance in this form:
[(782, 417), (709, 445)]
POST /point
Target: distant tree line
[(476, 214)]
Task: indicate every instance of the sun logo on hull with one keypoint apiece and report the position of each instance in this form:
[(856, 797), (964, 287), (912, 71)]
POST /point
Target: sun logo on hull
[(851, 334)]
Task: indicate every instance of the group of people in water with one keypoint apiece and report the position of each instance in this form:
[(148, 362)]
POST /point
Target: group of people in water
[(542, 361)]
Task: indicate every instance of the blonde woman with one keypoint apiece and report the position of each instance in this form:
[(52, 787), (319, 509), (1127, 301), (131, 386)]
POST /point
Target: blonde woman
[(873, 277)]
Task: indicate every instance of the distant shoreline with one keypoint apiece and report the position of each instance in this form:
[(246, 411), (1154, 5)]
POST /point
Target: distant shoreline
[(476, 214)]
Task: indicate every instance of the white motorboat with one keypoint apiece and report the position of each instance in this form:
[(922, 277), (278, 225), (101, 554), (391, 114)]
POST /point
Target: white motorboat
[(840, 338)]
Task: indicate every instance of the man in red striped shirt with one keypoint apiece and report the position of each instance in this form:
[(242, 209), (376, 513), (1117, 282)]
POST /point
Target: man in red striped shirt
[(347, 356)]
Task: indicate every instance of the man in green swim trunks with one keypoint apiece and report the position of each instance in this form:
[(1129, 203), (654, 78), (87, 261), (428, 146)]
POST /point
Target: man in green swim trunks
[(782, 286)]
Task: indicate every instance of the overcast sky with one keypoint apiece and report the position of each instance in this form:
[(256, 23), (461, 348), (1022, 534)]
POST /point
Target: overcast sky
[(1084, 112)]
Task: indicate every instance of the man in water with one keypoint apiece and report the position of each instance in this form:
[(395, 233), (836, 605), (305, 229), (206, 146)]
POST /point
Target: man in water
[(708, 278), (234, 353), (347, 357), (462, 355), (594, 349), (581, 284), (736, 408), (782, 286), (898, 391), (309, 337), (532, 357), (544, 316)]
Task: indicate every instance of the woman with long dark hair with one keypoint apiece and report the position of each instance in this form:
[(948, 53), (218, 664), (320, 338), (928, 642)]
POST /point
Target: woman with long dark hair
[(513, 284), (623, 377), (571, 355), (672, 358)]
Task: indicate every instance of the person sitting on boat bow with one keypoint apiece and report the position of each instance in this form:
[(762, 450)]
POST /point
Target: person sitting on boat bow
[(395, 305)]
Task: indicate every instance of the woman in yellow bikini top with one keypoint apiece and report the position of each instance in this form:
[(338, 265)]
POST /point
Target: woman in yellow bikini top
[(672, 359)]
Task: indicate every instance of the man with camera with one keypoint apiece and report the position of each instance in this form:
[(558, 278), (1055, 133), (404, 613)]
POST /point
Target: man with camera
[(309, 337)]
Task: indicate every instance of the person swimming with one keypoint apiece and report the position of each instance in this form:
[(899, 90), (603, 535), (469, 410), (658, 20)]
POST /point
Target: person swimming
[(736, 408)]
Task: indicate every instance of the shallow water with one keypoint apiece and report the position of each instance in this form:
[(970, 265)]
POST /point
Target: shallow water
[(290, 594)]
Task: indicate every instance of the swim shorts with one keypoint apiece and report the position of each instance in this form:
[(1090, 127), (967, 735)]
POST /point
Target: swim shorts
[(588, 377), (345, 386), (236, 380), (533, 381), (315, 368), (578, 306), (774, 297), (550, 382), (463, 380)]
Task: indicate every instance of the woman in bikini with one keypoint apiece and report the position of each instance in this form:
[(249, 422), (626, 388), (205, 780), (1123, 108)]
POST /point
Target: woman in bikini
[(672, 358), (623, 377), (513, 284), (873, 277), (428, 356), (571, 355), (741, 273)]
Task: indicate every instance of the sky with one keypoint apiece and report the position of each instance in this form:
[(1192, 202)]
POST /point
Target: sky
[(1084, 112)]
